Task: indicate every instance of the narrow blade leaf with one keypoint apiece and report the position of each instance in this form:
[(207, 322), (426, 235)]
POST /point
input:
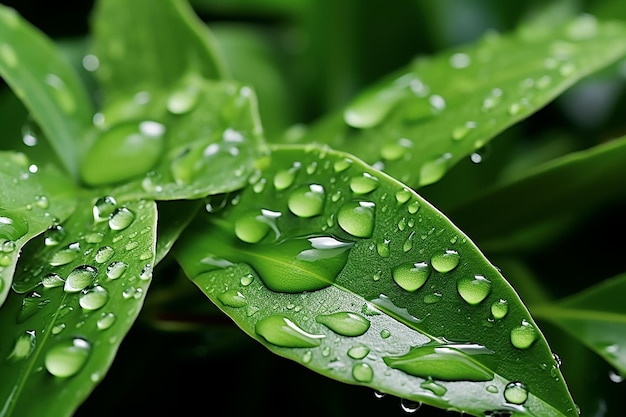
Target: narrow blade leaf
[(47, 85), (74, 300), (439, 110), (335, 265)]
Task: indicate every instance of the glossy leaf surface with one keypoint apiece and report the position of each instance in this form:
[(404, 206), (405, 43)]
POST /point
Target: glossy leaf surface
[(333, 264), (33, 199), (75, 298), (596, 317), (47, 85), (441, 109)]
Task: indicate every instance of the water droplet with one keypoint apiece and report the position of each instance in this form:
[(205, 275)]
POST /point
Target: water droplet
[(232, 298), (523, 336), (90, 62), (437, 103), (445, 261), (385, 334), (132, 147), (24, 346), (54, 235), (414, 207), (514, 109), (253, 226), (492, 389), (66, 255), (42, 201), (104, 254), (307, 200), (453, 362), (362, 372), (93, 298), (382, 247), (12, 226), (116, 269), (460, 60), (121, 218), (473, 289), (183, 100), (357, 218), (544, 82), (280, 330), (103, 208), (432, 386), (52, 280), (392, 151), (80, 278), (408, 243), (285, 178), (371, 107), (499, 309), (403, 196), (67, 357), (492, 100), (246, 280), (105, 321), (432, 171), (409, 406), (616, 377), (411, 276), (432, 298), (363, 184), (342, 164), (358, 352), (344, 323), (62, 93), (95, 237), (515, 393), (314, 263)]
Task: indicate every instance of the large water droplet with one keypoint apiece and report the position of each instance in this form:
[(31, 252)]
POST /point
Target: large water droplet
[(363, 184), (104, 254), (105, 321), (344, 323), (183, 100), (284, 179), (65, 255), (253, 226), (382, 247), (67, 357), (445, 261), (52, 280), (451, 362), (307, 200), (121, 218), (358, 352), (280, 330), (132, 148), (432, 171), (409, 406), (93, 298), (24, 346), (116, 269), (523, 336), (80, 278), (411, 276), (232, 298), (473, 289), (499, 309), (357, 218), (515, 393), (362, 372), (103, 208)]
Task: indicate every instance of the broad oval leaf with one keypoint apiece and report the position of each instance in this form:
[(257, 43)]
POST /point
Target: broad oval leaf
[(596, 317), (75, 296), (333, 264), (439, 110), (47, 85), (33, 199)]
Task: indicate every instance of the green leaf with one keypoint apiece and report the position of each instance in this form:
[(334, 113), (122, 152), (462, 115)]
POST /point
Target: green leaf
[(75, 298), (47, 85), (339, 267), (596, 317), (439, 110), (207, 142), (505, 216), (174, 217), (33, 199), (148, 45)]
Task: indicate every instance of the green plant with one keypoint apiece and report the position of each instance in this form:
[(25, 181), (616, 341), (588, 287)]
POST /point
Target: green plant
[(360, 243)]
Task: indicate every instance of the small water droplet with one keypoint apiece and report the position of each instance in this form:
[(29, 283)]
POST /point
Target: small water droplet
[(233, 298), (408, 243), (445, 261), (544, 82), (523, 336), (358, 352), (93, 298), (432, 298), (460, 60), (437, 103), (515, 393), (246, 280), (121, 218), (66, 255), (411, 276), (392, 151), (434, 387), (58, 328), (363, 184), (105, 321), (385, 334), (499, 309), (103, 208), (473, 289), (342, 164), (409, 406), (104, 254), (280, 330), (24, 346), (414, 207), (357, 218), (62, 93), (52, 280), (116, 269), (307, 201), (382, 247), (432, 171), (403, 196), (67, 357), (362, 372), (80, 278), (344, 323), (95, 237)]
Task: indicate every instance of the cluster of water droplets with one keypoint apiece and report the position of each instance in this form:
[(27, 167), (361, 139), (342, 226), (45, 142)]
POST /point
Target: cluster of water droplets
[(88, 272)]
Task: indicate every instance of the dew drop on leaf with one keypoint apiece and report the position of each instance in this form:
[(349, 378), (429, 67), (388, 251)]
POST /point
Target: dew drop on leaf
[(409, 406), (357, 218), (65, 255), (432, 386), (515, 393), (52, 280), (499, 309), (121, 218), (411, 276), (104, 254), (280, 330), (362, 372), (252, 227), (382, 247), (232, 298), (523, 336), (433, 170), (93, 298), (31, 304), (80, 278), (24, 346), (363, 184), (344, 323), (445, 261), (358, 352), (307, 200), (284, 179), (116, 269), (103, 208), (473, 289), (105, 321), (67, 357)]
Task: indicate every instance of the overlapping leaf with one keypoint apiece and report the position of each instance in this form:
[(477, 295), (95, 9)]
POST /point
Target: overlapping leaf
[(596, 317), (46, 84), (441, 109), (333, 264), (75, 298), (33, 199)]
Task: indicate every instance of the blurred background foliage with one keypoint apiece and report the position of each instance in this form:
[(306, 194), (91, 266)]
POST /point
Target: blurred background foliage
[(306, 58)]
